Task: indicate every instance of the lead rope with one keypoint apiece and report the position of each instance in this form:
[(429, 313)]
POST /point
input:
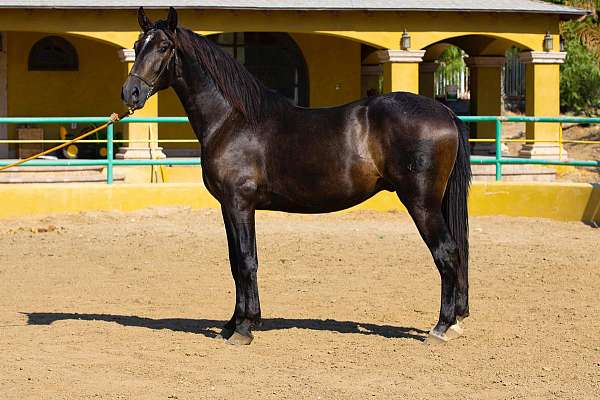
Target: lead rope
[(114, 117)]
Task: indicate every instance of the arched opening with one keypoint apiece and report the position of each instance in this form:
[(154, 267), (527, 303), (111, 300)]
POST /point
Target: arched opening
[(475, 75), (53, 53), (451, 69), (273, 58)]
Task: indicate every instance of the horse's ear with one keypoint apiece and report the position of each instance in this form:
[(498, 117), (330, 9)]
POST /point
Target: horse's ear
[(143, 20), (172, 19)]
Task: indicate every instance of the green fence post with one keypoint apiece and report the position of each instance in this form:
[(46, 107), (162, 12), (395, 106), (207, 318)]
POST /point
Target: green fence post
[(109, 153), (498, 149)]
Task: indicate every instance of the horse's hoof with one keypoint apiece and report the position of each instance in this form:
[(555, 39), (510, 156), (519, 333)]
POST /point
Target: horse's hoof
[(225, 334), (435, 338), (454, 331), (238, 339)]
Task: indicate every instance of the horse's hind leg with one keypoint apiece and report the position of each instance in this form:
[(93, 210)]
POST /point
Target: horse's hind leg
[(425, 210)]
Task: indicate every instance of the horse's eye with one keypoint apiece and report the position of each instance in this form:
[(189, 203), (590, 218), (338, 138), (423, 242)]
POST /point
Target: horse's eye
[(163, 47)]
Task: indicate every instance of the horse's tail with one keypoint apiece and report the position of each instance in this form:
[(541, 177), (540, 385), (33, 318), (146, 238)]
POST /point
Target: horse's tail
[(454, 206)]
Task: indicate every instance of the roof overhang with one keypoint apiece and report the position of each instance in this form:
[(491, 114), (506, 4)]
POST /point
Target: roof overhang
[(482, 6)]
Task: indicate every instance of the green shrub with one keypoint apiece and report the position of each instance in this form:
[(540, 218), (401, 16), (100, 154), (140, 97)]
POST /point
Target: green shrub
[(579, 80), (580, 74)]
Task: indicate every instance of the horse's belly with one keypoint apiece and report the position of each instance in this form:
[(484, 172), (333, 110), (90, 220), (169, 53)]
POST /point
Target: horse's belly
[(334, 177), (320, 198)]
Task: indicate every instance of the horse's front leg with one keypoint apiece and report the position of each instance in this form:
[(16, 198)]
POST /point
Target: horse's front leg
[(229, 327), (241, 236)]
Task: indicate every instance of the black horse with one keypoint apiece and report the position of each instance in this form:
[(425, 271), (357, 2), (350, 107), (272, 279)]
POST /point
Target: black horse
[(260, 152)]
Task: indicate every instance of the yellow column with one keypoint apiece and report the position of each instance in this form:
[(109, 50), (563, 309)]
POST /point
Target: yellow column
[(400, 70), (542, 99), (427, 78), (138, 135), (485, 74)]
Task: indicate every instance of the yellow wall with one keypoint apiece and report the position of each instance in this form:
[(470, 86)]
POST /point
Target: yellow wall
[(333, 68), (380, 29), (560, 201), (328, 40), (93, 90)]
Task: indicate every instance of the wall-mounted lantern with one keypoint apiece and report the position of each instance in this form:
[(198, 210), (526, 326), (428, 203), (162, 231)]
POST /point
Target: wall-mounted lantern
[(548, 42), (405, 41)]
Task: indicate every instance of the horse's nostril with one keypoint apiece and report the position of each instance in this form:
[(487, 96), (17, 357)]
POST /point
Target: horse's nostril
[(135, 94)]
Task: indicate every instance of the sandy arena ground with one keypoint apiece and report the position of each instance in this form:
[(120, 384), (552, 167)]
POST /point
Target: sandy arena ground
[(126, 306)]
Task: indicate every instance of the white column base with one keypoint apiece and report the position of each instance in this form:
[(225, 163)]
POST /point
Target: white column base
[(487, 149), (140, 153), (543, 151)]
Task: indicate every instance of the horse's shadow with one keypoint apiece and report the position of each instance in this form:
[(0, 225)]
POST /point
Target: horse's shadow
[(210, 327)]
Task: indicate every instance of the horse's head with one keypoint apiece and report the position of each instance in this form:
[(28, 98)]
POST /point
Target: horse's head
[(155, 60)]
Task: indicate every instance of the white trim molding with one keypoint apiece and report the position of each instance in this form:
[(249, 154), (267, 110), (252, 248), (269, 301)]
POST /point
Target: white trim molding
[(126, 55), (543, 57), (400, 56), (485, 61)]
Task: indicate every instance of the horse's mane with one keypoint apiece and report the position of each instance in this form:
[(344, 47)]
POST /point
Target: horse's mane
[(238, 86)]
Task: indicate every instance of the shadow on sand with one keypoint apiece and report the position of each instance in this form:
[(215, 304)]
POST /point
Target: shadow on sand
[(210, 328)]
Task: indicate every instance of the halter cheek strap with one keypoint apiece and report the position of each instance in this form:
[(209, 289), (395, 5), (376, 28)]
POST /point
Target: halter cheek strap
[(152, 84)]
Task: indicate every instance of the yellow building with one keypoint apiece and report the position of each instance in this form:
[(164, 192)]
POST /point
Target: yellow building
[(70, 58)]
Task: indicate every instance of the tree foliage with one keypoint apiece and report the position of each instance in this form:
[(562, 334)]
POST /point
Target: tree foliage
[(451, 60), (580, 74), (580, 80)]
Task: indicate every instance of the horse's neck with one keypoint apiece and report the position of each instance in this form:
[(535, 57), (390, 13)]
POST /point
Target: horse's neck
[(203, 103)]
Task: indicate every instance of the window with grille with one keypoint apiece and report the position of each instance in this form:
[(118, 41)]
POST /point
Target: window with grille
[(53, 53), (273, 58)]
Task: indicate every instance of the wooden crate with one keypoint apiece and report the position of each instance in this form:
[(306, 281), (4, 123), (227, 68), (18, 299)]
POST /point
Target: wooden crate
[(29, 149)]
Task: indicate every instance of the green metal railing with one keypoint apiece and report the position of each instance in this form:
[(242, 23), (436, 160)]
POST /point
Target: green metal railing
[(110, 162), (499, 160)]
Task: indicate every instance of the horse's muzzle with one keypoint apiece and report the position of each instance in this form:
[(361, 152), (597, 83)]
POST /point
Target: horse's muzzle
[(135, 92)]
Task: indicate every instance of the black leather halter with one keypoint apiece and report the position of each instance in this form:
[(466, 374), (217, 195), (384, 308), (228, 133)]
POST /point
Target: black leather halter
[(152, 84), (158, 76)]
